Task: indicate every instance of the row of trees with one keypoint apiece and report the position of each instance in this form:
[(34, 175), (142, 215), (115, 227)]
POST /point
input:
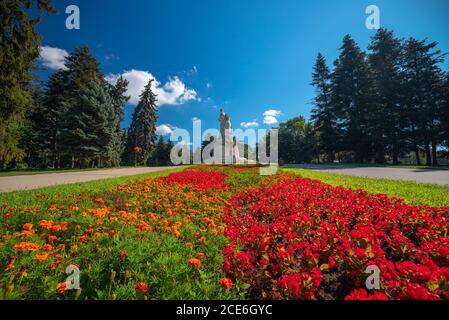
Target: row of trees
[(375, 106), (74, 119)]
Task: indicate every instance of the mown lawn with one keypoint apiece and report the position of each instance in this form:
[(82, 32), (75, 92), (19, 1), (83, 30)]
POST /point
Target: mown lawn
[(412, 192)]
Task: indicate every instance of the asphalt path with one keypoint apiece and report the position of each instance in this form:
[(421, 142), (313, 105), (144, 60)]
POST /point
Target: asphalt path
[(435, 176), (35, 181)]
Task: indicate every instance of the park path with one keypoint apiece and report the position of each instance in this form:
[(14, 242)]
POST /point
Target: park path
[(28, 182), (435, 176)]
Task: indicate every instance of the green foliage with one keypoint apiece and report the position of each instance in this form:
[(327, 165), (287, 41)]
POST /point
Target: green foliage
[(161, 153), (297, 141), (19, 47), (412, 192), (142, 132), (381, 105)]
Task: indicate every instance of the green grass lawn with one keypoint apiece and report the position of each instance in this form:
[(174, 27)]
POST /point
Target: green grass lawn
[(412, 192), (28, 198)]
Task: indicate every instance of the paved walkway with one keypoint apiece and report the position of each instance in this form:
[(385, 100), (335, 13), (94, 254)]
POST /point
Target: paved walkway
[(27, 182), (435, 176)]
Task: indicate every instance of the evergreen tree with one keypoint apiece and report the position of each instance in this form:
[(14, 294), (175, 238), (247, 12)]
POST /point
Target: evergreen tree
[(19, 47), (119, 99), (353, 100), (387, 120), (88, 131), (82, 70), (161, 153), (421, 76), (142, 132), (445, 111), (323, 115), (52, 113)]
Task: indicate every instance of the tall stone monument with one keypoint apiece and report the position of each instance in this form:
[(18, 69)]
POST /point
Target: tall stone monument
[(227, 143)]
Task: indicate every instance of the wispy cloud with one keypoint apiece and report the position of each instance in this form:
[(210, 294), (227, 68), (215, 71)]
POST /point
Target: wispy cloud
[(250, 124)]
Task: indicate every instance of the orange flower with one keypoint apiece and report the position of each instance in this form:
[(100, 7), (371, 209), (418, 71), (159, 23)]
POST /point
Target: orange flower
[(27, 226), (51, 238), (195, 262), (200, 255), (46, 224), (27, 246), (10, 267), (61, 287), (214, 232), (41, 256), (141, 287), (226, 283), (123, 254)]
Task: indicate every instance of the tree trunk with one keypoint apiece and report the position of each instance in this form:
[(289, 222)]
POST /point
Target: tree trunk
[(73, 162), (434, 153), (331, 156), (428, 154), (418, 160)]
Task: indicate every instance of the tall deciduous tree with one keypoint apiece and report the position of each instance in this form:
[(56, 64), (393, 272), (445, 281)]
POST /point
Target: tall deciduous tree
[(19, 47)]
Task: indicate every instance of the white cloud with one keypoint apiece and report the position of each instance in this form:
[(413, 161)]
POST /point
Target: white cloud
[(164, 129), (53, 58), (270, 116), (250, 124), (173, 92)]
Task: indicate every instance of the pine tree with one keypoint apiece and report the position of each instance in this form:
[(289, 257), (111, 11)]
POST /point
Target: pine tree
[(142, 132), (323, 115), (19, 48), (421, 77), (119, 99), (52, 113), (82, 71), (353, 100), (445, 111), (88, 132), (387, 120)]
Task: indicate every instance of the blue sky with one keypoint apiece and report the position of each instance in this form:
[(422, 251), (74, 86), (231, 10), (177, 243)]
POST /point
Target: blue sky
[(248, 57)]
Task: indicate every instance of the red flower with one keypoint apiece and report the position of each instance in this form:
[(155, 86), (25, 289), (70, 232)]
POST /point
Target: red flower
[(226, 283), (123, 254), (141, 287), (361, 294)]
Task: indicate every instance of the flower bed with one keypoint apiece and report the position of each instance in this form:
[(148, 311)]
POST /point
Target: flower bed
[(221, 233), (304, 239)]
